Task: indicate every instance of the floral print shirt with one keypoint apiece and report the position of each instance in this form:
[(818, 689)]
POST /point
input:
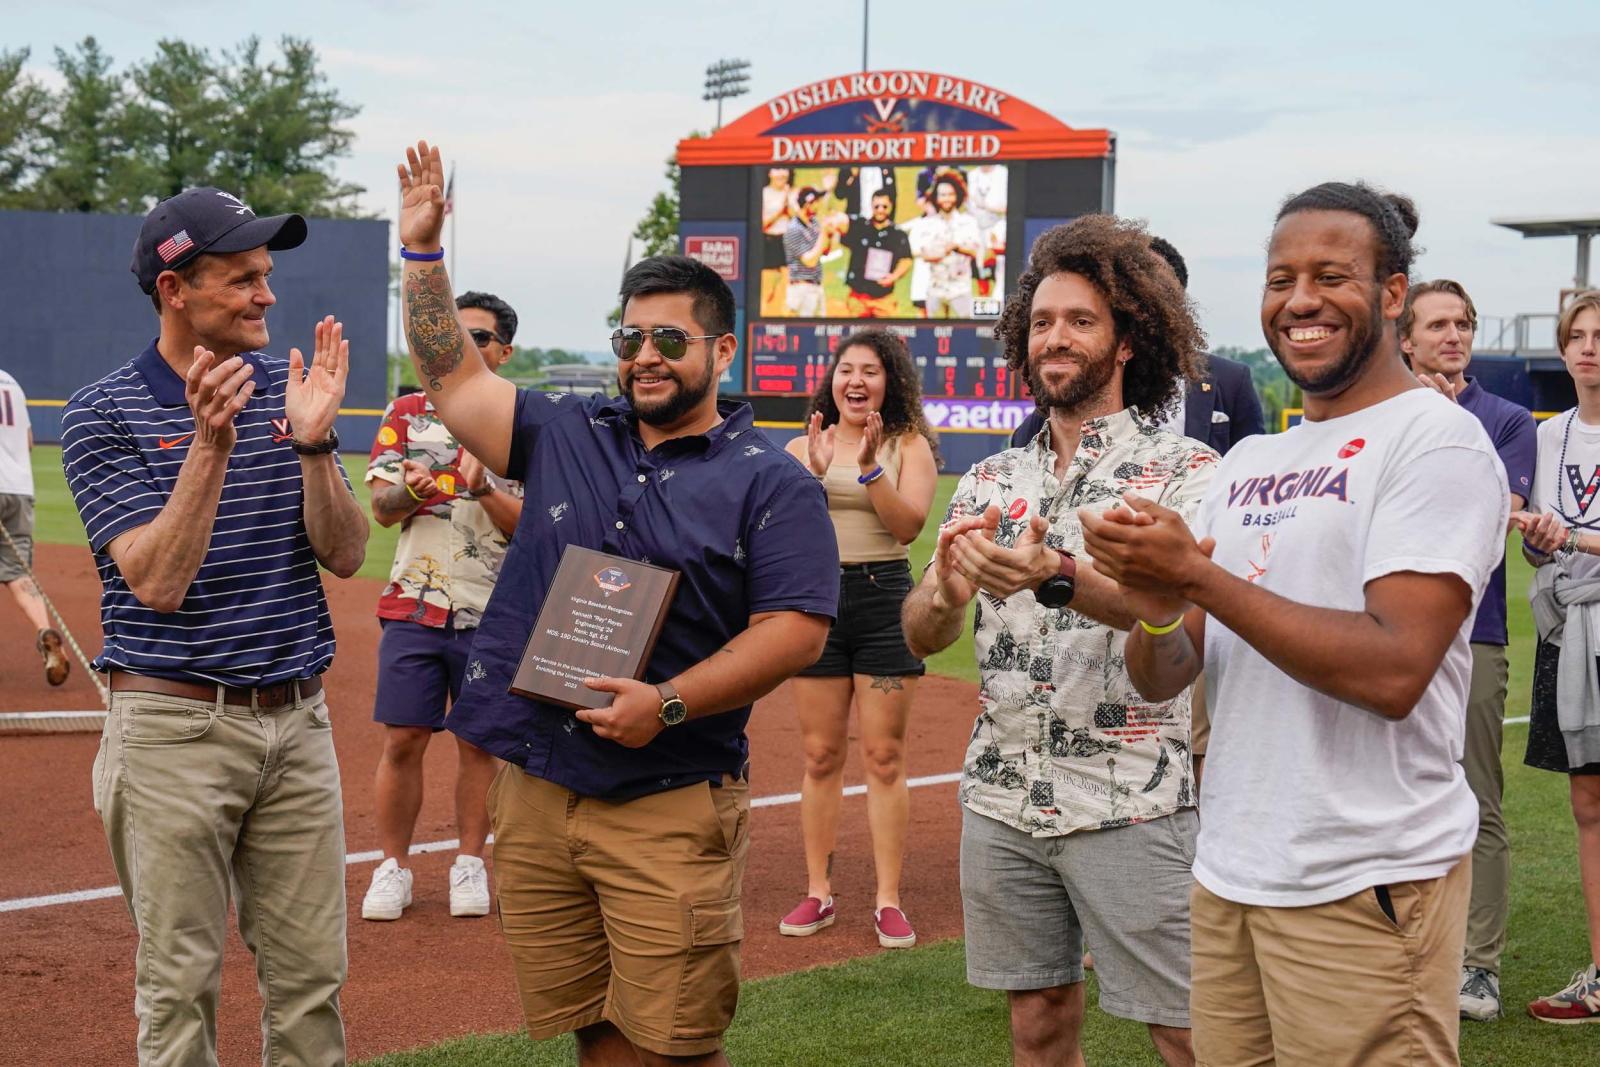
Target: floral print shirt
[(450, 551), (1063, 742)]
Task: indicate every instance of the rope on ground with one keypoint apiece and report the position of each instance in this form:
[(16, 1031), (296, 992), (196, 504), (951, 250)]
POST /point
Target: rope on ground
[(72, 642)]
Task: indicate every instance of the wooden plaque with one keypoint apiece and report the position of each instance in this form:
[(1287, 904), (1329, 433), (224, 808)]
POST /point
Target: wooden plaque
[(601, 617)]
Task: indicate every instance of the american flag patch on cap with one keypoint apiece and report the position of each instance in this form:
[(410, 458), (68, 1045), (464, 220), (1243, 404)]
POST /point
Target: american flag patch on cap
[(174, 246)]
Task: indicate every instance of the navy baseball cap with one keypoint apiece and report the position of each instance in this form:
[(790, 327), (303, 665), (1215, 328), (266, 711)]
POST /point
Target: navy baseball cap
[(205, 220)]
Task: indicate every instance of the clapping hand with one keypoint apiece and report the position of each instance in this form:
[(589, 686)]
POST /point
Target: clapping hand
[(819, 446), (314, 393), (1148, 550), (1003, 571), (871, 441), (1543, 533), (216, 392)]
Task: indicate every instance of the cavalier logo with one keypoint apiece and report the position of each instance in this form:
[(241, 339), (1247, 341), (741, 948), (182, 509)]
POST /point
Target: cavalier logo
[(612, 580), (281, 431), (1352, 446), (882, 119)]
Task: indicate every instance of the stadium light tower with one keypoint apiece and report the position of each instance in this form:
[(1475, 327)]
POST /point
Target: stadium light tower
[(726, 79)]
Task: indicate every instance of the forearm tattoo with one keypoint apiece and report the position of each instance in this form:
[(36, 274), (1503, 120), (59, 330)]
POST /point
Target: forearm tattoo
[(1179, 650), (395, 500), (431, 325)]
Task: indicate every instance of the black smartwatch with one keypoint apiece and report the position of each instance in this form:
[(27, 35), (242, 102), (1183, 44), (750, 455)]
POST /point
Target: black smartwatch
[(317, 450), (673, 709), (1056, 591)]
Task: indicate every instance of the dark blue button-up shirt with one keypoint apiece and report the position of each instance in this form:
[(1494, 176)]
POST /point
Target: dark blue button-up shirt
[(744, 524)]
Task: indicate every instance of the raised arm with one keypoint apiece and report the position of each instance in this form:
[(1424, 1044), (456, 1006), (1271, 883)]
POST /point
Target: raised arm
[(476, 405)]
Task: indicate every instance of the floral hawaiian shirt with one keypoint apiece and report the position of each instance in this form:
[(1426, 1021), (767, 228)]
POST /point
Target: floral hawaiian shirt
[(1063, 741), (450, 551)]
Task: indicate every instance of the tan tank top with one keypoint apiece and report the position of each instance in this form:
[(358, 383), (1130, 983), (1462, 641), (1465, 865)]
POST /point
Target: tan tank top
[(862, 536)]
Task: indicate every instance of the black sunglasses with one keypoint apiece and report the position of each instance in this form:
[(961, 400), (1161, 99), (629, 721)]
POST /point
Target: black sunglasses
[(483, 337), (670, 341)]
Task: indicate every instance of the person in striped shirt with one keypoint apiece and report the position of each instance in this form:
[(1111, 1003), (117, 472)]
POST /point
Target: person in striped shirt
[(205, 474)]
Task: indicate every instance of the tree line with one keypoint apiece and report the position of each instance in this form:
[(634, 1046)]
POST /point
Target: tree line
[(266, 128)]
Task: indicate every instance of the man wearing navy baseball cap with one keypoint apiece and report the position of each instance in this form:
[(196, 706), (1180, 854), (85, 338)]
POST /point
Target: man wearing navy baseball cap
[(206, 476)]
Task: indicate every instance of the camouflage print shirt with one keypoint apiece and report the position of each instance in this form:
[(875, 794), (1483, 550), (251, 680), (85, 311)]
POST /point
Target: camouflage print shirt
[(1063, 742), (450, 551)]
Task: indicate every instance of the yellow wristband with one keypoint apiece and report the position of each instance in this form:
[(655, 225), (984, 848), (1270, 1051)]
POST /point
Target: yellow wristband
[(1157, 631), (413, 492)]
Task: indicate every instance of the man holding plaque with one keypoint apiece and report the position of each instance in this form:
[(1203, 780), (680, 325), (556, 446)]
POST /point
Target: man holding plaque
[(621, 831)]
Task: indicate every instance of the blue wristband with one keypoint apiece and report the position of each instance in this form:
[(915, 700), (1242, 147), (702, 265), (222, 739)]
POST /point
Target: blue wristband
[(868, 479), (421, 257)]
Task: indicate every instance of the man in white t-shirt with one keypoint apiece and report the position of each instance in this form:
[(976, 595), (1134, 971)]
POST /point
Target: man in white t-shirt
[(16, 519), (1332, 592)]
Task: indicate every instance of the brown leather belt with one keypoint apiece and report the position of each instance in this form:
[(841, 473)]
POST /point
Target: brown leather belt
[(267, 696)]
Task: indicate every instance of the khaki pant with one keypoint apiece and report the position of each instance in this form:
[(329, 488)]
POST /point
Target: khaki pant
[(199, 799), (625, 911), (1331, 985), (1491, 854)]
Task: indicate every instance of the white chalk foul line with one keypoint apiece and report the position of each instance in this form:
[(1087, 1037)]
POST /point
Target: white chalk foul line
[(83, 896)]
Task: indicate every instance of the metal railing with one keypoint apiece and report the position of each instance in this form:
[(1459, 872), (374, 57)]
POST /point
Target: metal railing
[(1529, 334)]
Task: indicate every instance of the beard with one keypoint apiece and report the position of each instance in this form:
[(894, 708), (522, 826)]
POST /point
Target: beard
[(1094, 374), (684, 399), (1363, 345)]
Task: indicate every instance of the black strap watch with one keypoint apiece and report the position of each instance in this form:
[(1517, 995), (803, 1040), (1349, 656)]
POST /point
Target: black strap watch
[(1056, 591), (673, 709), (317, 450)]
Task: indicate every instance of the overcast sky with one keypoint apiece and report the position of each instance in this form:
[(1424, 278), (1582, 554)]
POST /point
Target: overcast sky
[(559, 116)]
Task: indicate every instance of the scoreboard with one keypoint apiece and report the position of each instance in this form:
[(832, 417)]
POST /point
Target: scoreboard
[(957, 360), (899, 200)]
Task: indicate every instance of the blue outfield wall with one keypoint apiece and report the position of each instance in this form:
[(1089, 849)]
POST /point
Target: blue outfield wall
[(74, 312)]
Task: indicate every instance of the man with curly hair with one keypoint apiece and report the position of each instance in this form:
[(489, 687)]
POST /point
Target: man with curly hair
[(1328, 590), (1078, 821)]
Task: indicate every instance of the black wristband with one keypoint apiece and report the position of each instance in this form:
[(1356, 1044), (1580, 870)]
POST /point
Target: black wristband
[(319, 449)]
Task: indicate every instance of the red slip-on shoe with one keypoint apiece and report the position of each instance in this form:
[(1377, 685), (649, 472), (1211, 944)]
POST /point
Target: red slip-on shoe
[(809, 916), (893, 930)]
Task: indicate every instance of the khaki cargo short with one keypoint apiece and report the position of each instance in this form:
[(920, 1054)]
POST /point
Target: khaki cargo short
[(623, 911), (16, 515)]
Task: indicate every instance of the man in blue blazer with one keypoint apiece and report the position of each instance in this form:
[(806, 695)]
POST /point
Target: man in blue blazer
[(1221, 409)]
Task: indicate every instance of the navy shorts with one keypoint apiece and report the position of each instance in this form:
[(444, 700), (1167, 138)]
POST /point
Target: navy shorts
[(866, 638), (420, 669)]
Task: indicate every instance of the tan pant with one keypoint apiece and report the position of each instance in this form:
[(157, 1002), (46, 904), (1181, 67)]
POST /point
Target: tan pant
[(1491, 854), (1332, 985), (625, 911), (199, 798)]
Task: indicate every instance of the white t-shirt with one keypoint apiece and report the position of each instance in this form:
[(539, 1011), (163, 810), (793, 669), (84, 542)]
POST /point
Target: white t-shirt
[(1307, 799), (1566, 481), (16, 469)]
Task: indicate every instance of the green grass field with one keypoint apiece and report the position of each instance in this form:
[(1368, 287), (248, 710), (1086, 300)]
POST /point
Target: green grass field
[(915, 1008)]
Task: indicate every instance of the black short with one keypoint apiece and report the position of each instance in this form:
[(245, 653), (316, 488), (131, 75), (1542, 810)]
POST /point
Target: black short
[(867, 638), (1546, 748), (772, 256)]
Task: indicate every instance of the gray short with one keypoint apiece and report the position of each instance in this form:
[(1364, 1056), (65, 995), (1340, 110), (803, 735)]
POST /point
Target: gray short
[(16, 515), (1031, 902)]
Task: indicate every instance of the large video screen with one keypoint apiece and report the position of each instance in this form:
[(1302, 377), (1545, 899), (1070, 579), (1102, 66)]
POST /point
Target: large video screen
[(911, 242)]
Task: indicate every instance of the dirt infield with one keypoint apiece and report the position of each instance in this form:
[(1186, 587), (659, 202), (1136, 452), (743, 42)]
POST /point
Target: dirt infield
[(67, 968)]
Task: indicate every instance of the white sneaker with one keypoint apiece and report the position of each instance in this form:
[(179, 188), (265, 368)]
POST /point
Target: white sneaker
[(389, 894), (1480, 994), (469, 887)]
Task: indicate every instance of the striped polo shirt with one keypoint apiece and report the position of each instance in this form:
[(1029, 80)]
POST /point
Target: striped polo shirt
[(255, 613)]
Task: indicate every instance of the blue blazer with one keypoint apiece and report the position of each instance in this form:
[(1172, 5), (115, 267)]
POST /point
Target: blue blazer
[(1221, 409)]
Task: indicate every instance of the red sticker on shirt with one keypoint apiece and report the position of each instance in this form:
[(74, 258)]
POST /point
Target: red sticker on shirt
[(1019, 508), (1352, 446)]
